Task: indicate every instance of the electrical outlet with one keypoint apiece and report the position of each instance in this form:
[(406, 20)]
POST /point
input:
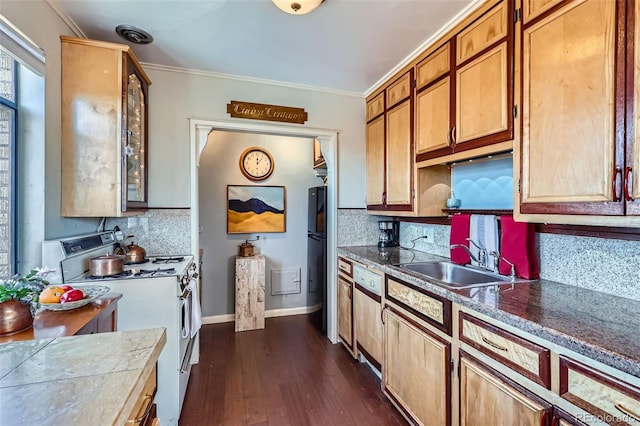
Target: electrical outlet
[(429, 235)]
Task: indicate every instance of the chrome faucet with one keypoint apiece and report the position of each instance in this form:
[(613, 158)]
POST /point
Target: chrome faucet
[(482, 253), (496, 259)]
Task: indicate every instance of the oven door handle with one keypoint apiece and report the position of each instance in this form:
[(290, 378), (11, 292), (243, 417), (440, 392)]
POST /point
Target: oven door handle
[(185, 294)]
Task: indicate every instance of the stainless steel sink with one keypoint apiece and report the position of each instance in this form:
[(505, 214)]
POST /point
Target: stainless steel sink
[(454, 276)]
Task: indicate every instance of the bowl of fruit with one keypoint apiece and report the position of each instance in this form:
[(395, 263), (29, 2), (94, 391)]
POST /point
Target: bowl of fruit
[(63, 297)]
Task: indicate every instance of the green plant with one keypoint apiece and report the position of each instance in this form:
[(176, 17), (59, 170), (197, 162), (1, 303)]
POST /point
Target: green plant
[(25, 288)]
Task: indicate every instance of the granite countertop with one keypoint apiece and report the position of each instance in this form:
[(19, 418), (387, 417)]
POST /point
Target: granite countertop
[(597, 325), (90, 379)]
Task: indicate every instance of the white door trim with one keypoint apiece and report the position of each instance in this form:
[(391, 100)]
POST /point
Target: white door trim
[(199, 130)]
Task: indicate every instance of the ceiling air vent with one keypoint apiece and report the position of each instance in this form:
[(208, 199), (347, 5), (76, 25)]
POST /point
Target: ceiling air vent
[(133, 34)]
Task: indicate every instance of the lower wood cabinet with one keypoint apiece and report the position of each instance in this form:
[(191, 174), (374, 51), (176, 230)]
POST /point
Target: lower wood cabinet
[(599, 394), (416, 374), (144, 410), (104, 322), (367, 323), (345, 311), (488, 399)]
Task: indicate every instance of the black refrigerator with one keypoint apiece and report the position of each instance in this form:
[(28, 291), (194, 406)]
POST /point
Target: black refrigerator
[(317, 255)]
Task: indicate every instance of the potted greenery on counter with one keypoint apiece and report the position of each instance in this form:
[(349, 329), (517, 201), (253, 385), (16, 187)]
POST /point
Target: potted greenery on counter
[(19, 300)]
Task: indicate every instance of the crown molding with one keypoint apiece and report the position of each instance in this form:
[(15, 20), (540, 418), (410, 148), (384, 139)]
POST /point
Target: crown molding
[(256, 80), (428, 42), (53, 4)]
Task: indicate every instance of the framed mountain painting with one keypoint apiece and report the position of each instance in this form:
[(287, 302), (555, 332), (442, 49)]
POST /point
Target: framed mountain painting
[(252, 209)]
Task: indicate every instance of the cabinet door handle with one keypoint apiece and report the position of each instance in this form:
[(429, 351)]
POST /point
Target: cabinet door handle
[(494, 345), (627, 183), (350, 292), (614, 184), (144, 415), (624, 410), (384, 197), (382, 314), (451, 137)]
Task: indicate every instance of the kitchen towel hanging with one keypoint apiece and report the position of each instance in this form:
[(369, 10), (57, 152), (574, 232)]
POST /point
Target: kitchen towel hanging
[(518, 244), (192, 312), (459, 235)]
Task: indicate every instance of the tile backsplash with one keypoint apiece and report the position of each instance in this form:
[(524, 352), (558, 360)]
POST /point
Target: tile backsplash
[(161, 232), (357, 228), (605, 265)]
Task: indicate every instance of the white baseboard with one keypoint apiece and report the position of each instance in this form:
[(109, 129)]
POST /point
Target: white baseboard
[(217, 319)]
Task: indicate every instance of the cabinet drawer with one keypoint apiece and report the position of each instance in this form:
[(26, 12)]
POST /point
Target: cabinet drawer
[(422, 303), (433, 66), (345, 267), (375, 107), (523, 356), (485, 31), (598, 393), (142, 411), (399, 90)]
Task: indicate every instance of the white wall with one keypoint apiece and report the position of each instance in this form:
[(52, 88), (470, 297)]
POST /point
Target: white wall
[(218, 168), (43, 26), (176, 96)]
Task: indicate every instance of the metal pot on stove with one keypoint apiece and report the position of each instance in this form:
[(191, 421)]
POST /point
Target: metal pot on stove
[(104, 266)]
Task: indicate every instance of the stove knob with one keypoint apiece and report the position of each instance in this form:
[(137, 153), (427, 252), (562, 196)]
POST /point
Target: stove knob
[(192, 267), (185, 280)]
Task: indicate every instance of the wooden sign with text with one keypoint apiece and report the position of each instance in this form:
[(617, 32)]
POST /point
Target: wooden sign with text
[(266, 112)]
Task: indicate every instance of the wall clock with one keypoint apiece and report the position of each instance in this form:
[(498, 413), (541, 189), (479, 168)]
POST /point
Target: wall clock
[(256, 163)]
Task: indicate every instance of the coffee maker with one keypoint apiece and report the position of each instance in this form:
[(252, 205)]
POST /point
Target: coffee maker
[(389, 233)]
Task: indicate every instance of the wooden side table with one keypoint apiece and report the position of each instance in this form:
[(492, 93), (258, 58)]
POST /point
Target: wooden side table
[(250, 277)]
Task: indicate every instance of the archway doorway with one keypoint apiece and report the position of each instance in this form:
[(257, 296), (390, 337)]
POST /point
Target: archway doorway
[(199, 132)]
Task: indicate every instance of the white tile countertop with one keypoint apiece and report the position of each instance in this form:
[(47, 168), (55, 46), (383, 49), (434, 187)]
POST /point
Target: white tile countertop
[(90, 379)]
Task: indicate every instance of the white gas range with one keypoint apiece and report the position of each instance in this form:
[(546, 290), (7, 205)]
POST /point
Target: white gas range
[(160, 292)]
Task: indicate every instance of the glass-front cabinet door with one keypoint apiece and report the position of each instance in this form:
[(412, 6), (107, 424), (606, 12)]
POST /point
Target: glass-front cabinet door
[(134, 171)]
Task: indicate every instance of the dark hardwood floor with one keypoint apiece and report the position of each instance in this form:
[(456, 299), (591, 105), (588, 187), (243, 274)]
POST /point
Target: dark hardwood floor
[(286, 374)]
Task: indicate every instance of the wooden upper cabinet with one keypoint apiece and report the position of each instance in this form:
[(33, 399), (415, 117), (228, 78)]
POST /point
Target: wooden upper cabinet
[(632, 170), (375, 107), (482, 104), (399, 153), (375, 156), (433, 66), (464, 97), (433, 114), (104, 130), (399, 91), (389, 155), (487, 30), (572, 155), (533, 8)]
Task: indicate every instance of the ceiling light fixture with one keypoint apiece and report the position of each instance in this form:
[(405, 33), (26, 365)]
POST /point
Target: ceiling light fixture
[(134, 34), (297, 7)]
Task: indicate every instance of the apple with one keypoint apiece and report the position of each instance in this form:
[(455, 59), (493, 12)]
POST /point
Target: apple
[(66, 287), (72, 296)]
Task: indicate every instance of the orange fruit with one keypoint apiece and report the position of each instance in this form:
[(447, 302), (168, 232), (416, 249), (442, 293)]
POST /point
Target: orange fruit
[(51, 294)]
